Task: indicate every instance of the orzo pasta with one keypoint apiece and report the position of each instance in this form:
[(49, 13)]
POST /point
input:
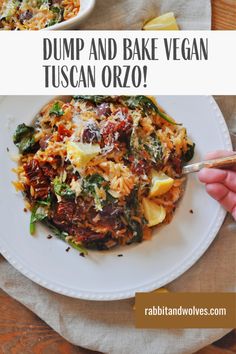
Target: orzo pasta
[(101, 171)]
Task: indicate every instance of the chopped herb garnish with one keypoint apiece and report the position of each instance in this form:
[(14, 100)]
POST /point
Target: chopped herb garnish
[(153, 146), (91, 183), (57, 110), (63, 189)]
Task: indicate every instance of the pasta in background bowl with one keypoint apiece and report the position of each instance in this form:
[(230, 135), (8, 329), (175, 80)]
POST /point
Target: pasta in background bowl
[(43, 14)]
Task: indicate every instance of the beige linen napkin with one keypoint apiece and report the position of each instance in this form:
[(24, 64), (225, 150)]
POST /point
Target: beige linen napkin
[(109, 326), (131, 14)]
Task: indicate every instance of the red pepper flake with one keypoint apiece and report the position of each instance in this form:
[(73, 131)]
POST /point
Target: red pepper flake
[(49, 237), (25, 210), (191, 211), (68, 248)]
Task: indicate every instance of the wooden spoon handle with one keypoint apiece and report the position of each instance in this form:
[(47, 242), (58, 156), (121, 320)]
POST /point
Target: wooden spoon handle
[(222, 162)]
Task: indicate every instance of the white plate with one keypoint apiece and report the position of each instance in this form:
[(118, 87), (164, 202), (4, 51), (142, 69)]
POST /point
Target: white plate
[(144, 267), (86, 7)]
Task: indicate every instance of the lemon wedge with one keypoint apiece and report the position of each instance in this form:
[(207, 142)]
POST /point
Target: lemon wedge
[(165, 22), (80, 154), (154, 213), (160, 184)]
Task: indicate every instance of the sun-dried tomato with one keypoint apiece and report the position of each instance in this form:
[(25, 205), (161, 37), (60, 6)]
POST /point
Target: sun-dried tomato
[(37, 179), (62, 132), (121, 126), (48, 170), (63, 213)]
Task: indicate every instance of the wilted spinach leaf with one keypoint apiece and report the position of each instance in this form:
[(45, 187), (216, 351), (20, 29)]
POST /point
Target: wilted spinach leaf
[(189, 154), (147, 105), (58, 233), (58, 17), (78, 247), (132, 208), (91, 182), (134, 226), (96, 99), (52, 22), (42, 2), (62, 236), (45, 202), (132, 102), (24, 138), (35, 217)]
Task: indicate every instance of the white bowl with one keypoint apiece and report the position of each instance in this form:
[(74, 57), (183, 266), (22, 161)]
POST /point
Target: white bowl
[(86, 7), (149, 265)]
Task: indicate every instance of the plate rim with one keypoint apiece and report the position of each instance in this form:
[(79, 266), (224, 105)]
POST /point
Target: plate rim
[(125, 294)]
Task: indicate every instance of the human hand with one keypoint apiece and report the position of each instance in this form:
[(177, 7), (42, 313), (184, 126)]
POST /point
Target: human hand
[(221, 183)]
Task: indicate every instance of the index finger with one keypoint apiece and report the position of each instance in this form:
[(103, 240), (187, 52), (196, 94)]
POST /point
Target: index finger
[(213, 175)]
